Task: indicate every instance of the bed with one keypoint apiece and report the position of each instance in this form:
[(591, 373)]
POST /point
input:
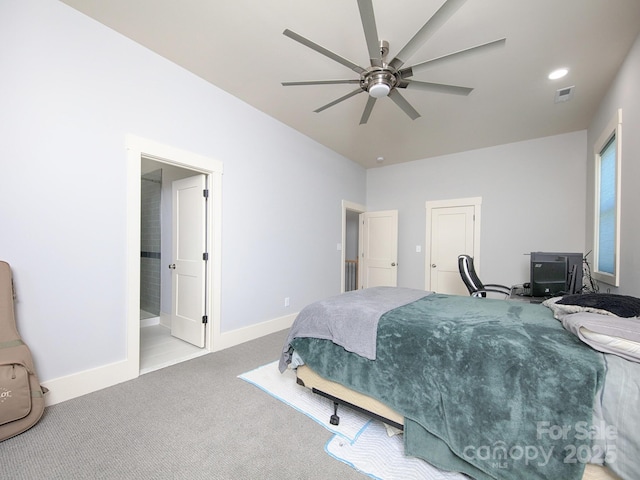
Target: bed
[(489, 388)]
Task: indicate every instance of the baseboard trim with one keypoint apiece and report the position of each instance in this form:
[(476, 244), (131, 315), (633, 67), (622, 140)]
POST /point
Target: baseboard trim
[(77, 384), (148, 322), (251, 332), (88, 381)]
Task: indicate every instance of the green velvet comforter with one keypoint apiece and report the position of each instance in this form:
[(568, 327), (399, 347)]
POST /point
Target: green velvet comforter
[(490, 388)]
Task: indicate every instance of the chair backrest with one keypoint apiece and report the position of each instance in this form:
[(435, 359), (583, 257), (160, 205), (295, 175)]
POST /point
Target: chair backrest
[(468, 274)]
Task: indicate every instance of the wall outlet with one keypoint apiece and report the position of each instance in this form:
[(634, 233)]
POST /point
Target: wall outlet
[(286, 301)]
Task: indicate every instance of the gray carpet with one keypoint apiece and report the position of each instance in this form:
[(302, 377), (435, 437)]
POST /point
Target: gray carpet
[(194, 420)]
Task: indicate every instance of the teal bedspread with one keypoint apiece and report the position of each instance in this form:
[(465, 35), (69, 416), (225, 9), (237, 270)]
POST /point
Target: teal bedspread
[(490, 388)]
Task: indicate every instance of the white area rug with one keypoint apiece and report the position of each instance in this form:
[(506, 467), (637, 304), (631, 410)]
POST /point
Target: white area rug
[(283, 386), (358, 441)]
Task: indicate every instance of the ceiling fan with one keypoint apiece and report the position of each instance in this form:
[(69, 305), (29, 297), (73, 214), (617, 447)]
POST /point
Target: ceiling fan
[(382, 78)]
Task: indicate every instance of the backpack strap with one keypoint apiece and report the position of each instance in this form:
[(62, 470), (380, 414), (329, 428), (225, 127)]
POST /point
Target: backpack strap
[(8, 330)]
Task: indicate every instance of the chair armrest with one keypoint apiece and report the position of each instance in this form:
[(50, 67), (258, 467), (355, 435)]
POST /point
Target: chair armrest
[(506, 291)]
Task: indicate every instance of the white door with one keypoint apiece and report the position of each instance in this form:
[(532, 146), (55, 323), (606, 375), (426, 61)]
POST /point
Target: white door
[(379, 248), (188, 279), (452, 234)]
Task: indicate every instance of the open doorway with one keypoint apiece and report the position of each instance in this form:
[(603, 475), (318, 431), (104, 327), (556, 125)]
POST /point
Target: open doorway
[(174, 165), (369, 247), (158, 346), (350, 245)]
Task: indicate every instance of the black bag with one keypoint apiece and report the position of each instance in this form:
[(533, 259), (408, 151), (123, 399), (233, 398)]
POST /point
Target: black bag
[(21, 396)]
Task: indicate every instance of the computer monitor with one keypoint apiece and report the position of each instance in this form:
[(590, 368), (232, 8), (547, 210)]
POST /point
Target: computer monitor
[(554, 273)]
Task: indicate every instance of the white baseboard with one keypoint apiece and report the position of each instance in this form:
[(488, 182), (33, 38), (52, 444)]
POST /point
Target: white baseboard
[(251, 332), (88, 381), (148, 322)]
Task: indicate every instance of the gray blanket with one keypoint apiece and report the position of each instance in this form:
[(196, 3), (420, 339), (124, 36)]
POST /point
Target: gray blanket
[(617, 423), (599, 321), (613, 327), (349, 320)]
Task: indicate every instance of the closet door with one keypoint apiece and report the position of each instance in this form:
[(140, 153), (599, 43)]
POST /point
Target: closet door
[(452, 230)]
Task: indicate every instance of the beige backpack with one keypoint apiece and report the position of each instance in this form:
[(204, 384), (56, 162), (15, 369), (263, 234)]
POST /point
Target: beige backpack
[(21, 396)]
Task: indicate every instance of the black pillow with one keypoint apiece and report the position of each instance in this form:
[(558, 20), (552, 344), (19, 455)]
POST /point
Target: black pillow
[(620, 305)]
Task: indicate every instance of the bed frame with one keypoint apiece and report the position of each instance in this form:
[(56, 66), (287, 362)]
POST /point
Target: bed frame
[(341, 395)]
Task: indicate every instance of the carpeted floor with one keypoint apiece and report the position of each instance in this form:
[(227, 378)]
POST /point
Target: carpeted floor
[(194, 420)]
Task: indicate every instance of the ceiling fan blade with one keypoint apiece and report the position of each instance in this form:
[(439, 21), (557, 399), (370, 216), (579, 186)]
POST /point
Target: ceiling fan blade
[(428, 29), (327, 53), (370, 32), (438, 87), (344, 97), (367, 110), (400, 101), (321, 82), (409, 71)]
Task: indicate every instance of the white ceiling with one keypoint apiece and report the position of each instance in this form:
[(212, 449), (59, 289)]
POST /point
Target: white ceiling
[(238, 45)]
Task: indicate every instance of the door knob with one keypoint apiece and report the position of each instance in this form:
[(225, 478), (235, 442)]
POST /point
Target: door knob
[(433, 265), (393, 264), (172, 266)]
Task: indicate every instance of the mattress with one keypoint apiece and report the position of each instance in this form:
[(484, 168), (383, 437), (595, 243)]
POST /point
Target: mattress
[(310, 379)]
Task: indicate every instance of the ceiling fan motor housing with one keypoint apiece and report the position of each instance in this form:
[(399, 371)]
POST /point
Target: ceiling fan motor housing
[(378, 82)]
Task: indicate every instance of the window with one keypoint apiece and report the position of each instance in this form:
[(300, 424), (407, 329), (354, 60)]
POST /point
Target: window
[(607, 204)]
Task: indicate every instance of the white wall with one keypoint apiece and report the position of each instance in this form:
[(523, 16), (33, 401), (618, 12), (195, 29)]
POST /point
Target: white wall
[(624, 94), (532, 193), (71, 90)]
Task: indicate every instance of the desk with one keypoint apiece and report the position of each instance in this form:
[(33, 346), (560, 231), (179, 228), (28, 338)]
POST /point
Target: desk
[(521, 294)]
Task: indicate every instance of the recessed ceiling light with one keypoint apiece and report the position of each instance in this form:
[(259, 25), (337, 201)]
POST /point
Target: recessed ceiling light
[(559, 73)]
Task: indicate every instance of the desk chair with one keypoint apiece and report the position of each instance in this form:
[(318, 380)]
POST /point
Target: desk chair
[(474, 285)]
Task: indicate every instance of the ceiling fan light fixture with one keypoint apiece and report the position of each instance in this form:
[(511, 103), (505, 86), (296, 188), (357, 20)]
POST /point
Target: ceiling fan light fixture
[(379, 90), (379, 83)]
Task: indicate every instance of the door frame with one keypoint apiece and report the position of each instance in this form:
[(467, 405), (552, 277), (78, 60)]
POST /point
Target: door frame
[(476, 202), (351, 207), (137, 149)]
